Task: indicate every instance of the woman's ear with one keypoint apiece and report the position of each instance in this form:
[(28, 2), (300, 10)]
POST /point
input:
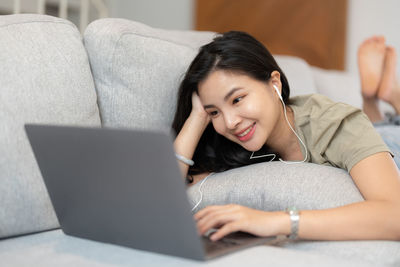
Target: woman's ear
[(275, 79)]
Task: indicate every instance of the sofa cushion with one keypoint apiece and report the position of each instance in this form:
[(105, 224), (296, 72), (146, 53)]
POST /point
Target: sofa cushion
[(274, 186), (341, 86), (44, 78), (53, 248), (298, 73), (137, 70)]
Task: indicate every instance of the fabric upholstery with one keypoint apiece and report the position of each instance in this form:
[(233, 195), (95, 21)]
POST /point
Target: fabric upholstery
[(273, 186), (137, 70), (341, 86), (54, 248), (44, 78)]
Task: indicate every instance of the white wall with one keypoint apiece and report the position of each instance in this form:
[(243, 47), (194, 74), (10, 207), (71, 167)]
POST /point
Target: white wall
[(369, 17), (167, 14)]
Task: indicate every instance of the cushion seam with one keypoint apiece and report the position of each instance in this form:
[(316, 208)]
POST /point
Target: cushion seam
[(156, 38), (37, 21)]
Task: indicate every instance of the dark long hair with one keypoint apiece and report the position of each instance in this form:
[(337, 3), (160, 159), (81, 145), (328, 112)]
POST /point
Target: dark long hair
[(236, 52)]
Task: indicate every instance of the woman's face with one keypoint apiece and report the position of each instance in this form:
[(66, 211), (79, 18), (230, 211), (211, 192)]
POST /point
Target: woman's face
[(242, 109)]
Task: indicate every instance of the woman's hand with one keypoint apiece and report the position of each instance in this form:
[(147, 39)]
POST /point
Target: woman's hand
[(198, 109), (232, 218)]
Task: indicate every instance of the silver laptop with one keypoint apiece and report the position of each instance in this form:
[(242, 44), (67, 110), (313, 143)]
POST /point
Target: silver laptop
[(123, 187)]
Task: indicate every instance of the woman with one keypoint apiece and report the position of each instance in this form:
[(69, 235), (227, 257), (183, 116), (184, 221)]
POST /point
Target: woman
[(235, 84)]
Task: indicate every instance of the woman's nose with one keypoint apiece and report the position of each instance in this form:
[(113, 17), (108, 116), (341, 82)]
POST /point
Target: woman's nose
[(231, 120)]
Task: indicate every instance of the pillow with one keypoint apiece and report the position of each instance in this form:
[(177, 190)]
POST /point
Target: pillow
[(137, 70), (44, 78), (339, 86), (275, 186), (298, 73)]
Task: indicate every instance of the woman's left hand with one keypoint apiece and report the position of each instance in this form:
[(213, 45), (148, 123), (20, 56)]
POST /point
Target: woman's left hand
[(231, 218)]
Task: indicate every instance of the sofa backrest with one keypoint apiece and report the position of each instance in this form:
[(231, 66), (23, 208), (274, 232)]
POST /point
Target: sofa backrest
[(44, 78), (137, 70)]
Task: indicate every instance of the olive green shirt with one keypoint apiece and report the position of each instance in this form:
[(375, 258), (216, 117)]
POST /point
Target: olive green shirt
[(335, 134)]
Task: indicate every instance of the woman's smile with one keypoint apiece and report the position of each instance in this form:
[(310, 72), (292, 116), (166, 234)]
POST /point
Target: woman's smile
[(247, 133)]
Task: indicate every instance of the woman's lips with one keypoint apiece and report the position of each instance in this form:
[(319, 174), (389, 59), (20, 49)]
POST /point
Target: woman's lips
[(249, 133)]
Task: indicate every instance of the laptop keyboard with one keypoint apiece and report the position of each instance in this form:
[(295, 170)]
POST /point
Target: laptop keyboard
[(220, 244), (233, 242), (236, 239)]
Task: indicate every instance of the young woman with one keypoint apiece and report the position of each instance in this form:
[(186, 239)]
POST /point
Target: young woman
[(234, 108)]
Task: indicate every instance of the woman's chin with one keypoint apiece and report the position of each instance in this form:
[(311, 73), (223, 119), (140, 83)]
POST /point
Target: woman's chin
[(252, 147)]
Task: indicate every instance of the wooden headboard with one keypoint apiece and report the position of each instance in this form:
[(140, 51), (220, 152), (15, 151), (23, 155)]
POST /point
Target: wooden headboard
[(314, 30)]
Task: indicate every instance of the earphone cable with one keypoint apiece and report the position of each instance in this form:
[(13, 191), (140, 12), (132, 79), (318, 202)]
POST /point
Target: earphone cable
[(305, 148)]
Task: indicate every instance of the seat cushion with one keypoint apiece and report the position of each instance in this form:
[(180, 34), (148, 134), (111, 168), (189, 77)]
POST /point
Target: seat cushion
[(54, 248), (137, 70), (44, 78)]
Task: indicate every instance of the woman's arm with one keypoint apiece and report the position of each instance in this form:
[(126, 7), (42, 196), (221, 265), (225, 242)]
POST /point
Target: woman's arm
[(186, 141), (378, 217)]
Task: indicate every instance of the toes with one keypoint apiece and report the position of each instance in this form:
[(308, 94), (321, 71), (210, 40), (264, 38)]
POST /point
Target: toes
[(381, 38), (390, 51), (377, 39), (373, 42)]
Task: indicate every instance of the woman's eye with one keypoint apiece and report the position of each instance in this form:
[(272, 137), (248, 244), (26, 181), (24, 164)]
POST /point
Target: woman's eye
[(214, 113), (237, 99)]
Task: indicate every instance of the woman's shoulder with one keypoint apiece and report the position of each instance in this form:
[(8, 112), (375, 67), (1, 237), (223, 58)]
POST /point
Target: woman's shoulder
[(312, 99), (317, 105)]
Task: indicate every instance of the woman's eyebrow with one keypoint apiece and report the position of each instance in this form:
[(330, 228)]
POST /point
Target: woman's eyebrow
[(229, 94)]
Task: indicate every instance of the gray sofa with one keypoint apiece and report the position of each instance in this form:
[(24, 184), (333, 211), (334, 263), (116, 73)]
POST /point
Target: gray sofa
[(125, 74)]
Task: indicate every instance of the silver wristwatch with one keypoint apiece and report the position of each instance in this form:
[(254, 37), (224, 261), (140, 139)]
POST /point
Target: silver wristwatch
[(294, 222)]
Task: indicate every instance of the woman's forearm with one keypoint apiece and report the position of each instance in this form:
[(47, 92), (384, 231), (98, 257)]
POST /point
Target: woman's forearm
[(364, 220), (188, 138)]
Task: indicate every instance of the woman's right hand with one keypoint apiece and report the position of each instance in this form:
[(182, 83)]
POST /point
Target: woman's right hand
[(198, 109)]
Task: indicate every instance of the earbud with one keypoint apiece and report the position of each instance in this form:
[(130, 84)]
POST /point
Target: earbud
[(277, 91)]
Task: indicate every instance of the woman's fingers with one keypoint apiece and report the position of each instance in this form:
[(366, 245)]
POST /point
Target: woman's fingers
[(215, 220), (226, 230), (216, 216), (232, 218), (197, 108)]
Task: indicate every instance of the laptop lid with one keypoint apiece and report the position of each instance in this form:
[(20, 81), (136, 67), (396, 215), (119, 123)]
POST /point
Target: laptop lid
[(103, 182)]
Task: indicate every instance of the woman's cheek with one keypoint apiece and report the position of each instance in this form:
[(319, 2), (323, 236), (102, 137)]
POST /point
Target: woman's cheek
[(251, 109), (218, 127)]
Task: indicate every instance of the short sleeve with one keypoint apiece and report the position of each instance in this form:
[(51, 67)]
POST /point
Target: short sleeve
[(351, 138)]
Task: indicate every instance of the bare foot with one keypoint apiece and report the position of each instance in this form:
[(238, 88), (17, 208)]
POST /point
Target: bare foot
[(389, 83), (371, 55), (389, 90)]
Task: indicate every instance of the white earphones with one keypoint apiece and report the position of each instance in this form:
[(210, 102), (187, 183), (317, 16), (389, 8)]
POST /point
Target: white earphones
[(284, 108), (277, 91)]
